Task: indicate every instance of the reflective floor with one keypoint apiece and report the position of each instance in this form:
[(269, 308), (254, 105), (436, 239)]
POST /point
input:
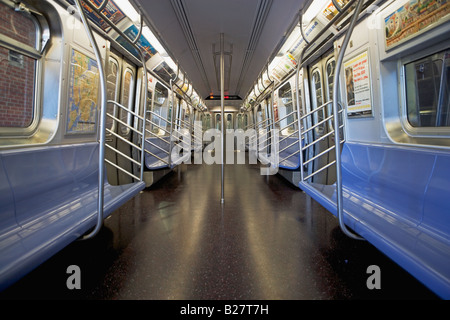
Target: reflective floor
[(175, 240)]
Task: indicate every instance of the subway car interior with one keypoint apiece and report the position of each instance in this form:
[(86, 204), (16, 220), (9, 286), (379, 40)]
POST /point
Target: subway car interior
[(225, 150)]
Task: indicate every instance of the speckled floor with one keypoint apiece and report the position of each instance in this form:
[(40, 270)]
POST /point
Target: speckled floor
[(176, 241)]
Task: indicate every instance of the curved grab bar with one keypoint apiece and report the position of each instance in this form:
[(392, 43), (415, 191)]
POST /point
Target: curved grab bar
[(101, 164), (103, 108), (340, 211), (103, 5), (140, 30), (336, 5), (300, 22)]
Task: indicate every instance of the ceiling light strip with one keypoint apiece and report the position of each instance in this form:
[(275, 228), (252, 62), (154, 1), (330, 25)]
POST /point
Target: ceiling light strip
[(258, 25)]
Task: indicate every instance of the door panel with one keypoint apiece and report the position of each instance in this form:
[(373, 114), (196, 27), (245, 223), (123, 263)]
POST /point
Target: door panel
[(113, 93), (321, 75), (127, 99), (121, 87)]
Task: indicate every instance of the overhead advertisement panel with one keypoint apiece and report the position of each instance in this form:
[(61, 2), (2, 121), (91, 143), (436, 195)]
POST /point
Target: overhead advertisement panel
[(330, 10), (111, 11), (412, 18), (132, 33)]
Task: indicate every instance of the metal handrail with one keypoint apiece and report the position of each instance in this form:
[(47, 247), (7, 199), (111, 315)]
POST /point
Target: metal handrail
[(269, 123), (155, 145), (103, 116), (320, 154), (124, 123), (183, 121), (289, 135), (288, 126), (286, 116), (336, 111), (320, 170), (121, 169), (157, 115), (154, 155), (318, 124), (339, 196), (123, 155), (319, 108), (101, 164), (285, 137), (158, 126), (287, 147), (122, 138), (290, 155)]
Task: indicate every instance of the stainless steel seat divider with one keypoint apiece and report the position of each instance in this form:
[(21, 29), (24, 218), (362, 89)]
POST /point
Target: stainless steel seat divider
[(339, 195), (306, 135), (103, 114)]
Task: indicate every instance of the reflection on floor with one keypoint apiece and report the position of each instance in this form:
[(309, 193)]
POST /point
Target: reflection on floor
[(175, 240)]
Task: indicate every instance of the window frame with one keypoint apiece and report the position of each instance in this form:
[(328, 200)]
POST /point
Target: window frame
[(112, 59), (425, 132), (36, 53), (131, 98)]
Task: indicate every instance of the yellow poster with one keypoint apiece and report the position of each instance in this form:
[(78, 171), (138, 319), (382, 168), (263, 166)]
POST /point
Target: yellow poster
[(83, 94), (357, 85)]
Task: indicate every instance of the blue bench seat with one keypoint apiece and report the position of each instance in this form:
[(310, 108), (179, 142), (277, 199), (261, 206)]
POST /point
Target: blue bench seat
[(48, 200), (398, 199), (159, 147), (289, 157)]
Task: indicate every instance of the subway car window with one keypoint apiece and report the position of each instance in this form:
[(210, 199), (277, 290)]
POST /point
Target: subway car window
[(128, 98), (161, 95), (428, 90), (317, 94), (229, 121), (331, 66), (285, 94), (218, 124), (18, 69), (112, 84)]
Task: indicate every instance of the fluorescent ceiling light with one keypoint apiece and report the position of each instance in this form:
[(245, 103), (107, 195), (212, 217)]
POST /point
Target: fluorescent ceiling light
[(148, 34), (171, 64), (129, 10), (313, 10)]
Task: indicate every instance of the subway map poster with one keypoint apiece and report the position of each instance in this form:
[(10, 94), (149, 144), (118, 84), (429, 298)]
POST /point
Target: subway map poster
[(83, 94)]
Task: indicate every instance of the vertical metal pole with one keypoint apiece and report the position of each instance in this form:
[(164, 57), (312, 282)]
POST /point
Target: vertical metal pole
[(340, 209), (299, 121), (222, 113), (101, 151)]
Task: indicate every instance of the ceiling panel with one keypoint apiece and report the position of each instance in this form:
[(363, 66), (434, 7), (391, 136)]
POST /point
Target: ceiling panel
[(190, 30)]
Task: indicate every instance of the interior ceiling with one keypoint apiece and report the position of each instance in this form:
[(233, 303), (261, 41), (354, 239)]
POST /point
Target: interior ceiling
[(190, 31)]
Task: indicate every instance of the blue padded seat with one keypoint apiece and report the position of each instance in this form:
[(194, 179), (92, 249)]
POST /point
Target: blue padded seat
[(49, 199), (287, 159), (292, 162), (159, 147), (398, 199)]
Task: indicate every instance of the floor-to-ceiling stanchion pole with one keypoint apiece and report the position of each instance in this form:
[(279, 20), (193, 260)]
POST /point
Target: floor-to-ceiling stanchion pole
[(222, 114)]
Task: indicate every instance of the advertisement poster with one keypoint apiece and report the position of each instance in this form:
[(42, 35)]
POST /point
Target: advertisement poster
[(413, 18), (111, 11), (357, 85), (286, 65), (330, 11), (143, 43), (83, 94)]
